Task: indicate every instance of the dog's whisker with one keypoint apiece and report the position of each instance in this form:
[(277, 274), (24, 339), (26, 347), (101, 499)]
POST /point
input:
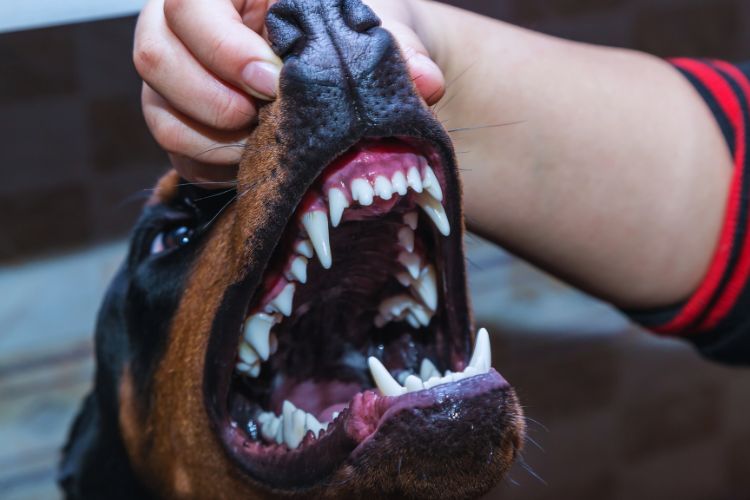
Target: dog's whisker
[(214, 195), (537, 422), (525, 466), (218, 148), (482, 127)]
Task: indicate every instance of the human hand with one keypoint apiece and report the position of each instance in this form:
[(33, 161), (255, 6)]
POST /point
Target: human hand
[(206, 68)]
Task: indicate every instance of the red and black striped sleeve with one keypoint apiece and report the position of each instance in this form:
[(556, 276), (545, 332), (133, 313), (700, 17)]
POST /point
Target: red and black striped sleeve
[(717, 316)]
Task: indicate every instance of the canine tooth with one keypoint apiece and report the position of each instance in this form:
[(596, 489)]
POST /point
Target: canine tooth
[(383, 378), (257, 333), (411, 219), (305, 248), (404, 279), (383, 187), (426, 287), (247, 354), (283, 301), (413, 383), (431, 184), (427, 370), (298, 269), (481, 359), (316, 224), (294, 424), (398, 181), (411, 262), (337, 202), (414, 179), (406, 238), (435, 211), (362, 192)]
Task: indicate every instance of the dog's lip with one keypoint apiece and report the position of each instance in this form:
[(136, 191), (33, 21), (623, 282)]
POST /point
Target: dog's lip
[(352, 431)]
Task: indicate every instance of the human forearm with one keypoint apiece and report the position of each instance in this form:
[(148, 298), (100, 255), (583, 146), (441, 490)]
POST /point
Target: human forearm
[(611, 172)]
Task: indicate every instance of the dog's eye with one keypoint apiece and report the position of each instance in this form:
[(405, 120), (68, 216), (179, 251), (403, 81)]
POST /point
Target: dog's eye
[(171, 238)]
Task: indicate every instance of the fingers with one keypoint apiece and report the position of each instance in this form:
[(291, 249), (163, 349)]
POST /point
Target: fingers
[(426, 75), (197, 151), (207, 176), (171, 70), (214, 32), (397, 17)]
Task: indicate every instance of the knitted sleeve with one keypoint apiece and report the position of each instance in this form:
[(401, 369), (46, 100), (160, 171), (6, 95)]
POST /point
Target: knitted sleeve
[(717, 316)]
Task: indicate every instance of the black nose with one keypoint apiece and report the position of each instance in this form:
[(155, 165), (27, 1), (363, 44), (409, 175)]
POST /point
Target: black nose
[(327, 41), (343, 74)]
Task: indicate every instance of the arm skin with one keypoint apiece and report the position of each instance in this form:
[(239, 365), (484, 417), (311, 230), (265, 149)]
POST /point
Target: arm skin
[(615, 175), (612, 174)]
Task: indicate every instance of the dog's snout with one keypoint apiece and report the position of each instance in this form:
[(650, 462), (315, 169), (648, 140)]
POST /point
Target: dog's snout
[(343, 77)]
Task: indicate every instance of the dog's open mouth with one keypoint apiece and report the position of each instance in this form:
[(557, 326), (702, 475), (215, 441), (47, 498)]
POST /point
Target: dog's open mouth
[(354, 320)]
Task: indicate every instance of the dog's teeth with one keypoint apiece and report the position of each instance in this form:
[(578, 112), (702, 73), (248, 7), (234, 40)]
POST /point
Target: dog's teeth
[(426, 287), (414, 179), (406, 238), (411, 262), (269, 425), (481, 359), (283, 301), (251, 370), (435, 211), (411, 219), (250, 358), (362, 192), (404, 279), (312, 424), (393, 307), (423, 316), (298, 269), (413, 384), (294, 424), (431, 184), (304, 248), (398, 181), (337, 202), (427, 370), (316, 224), (383, 187), (383, 378), (257, 334), (413, 321)]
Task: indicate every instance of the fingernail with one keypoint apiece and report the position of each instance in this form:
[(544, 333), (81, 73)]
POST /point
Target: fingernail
[(262, 79), (423, 64)]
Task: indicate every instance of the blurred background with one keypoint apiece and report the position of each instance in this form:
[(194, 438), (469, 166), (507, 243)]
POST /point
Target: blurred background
[(613, 412)]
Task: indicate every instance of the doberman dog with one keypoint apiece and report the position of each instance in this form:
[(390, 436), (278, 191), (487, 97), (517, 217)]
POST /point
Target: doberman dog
[(306, 334)]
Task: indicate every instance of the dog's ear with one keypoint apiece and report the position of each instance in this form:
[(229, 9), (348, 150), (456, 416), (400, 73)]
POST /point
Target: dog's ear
[(94, 463)]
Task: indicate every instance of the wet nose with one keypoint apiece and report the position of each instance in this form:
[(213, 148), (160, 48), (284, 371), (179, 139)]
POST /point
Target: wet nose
[(343, 74), (327, 42)]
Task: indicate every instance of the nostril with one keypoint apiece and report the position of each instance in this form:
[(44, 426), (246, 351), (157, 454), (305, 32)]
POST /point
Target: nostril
[(358, 16), (284, 30)]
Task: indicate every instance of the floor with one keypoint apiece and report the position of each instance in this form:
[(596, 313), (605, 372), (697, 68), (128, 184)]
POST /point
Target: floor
[(566, 351)]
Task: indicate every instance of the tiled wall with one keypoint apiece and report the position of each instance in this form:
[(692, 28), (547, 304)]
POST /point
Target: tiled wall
[(75, 152), (76, 155)]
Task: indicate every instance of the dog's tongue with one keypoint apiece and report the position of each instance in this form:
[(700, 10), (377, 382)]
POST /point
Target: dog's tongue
[(320, 398)]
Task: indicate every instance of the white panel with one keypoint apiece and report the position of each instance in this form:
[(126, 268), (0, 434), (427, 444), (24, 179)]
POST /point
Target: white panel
[(24, 14)]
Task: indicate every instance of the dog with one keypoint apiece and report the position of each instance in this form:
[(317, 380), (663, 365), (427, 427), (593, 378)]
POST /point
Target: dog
[(308, 333)]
